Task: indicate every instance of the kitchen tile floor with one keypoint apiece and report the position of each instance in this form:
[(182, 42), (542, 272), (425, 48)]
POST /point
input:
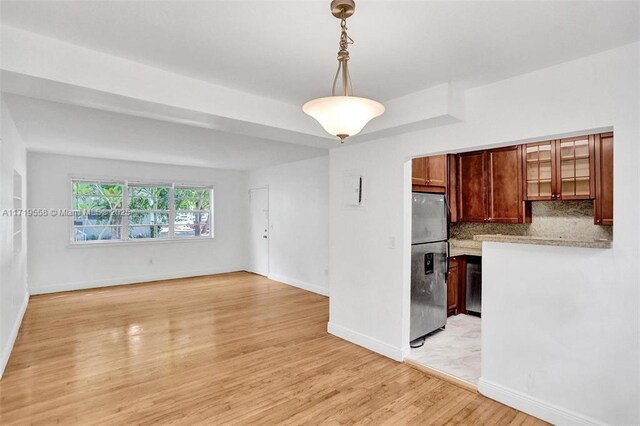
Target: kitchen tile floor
[(454, 350)]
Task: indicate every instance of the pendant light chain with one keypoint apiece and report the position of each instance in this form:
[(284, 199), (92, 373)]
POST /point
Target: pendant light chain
[(343, 58)]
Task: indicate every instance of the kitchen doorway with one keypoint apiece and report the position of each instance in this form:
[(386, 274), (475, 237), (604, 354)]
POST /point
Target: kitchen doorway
[(259, 231), (445, 278)]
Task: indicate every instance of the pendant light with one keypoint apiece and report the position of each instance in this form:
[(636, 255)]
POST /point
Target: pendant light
[(343, 115)]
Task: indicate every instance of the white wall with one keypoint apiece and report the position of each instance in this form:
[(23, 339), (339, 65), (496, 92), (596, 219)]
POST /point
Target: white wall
[(13, 275), (369, 257), (299, 222), (555, 335), (55, 265)]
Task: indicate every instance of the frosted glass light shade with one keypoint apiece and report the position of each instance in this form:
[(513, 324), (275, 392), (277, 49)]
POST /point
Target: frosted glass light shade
[(343, 115)]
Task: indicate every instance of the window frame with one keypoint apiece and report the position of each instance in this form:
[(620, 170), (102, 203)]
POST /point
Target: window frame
[(125, 240)]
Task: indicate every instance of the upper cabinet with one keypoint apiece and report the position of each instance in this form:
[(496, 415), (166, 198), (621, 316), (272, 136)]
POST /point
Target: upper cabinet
[(430, 172), (472, 198), (604, 179), (539, 166), (498, 185), (504, 186), (437, 173), (419, 171), (490, 186), (575, 159), (437, 170), (560, 169)]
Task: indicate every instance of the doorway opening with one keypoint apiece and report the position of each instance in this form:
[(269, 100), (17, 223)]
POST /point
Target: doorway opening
[(259, 231), (445, 290)]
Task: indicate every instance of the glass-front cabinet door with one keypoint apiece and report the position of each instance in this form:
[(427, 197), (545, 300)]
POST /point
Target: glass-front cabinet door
[(539, 166), (575, 175), (560, 169)]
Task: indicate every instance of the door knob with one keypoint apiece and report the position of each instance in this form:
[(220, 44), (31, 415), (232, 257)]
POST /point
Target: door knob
[(264, 236)]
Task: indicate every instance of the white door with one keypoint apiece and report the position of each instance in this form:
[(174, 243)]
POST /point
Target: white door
[(259, 231)]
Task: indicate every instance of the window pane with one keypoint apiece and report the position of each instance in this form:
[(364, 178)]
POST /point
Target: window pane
[(582, 148), (192, 224), (192, 198), (97, 217), (545, 170), (148, 231), (569, 187), (97, 211), (582, 167), (94, 195), (148, 197), (149, 206), (582, 186), (545, 152), (566, 150), (545, 188), (151, 218), (97, 233)]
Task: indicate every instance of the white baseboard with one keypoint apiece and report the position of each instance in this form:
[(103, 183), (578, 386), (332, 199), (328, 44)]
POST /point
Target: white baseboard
[(300, 284), (6, 351), (370, 343), (530, 405), (128, 280)]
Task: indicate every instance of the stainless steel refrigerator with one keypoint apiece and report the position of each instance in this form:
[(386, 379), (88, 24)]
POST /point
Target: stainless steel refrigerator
[(429, 250)]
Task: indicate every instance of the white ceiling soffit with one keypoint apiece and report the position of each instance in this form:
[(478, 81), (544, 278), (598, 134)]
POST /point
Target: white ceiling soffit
[(41, 67), (58, 128), (34, 87)]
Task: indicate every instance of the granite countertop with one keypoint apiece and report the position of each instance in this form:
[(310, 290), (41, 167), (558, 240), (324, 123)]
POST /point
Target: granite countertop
[(545, 241), (464, 247)]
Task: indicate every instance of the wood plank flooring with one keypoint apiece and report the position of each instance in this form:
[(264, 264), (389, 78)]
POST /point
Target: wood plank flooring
[(226, 349)]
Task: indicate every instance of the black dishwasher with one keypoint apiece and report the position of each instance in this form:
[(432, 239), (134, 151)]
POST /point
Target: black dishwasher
[(474, 285)]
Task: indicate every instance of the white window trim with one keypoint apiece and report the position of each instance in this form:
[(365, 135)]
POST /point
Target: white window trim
[(125, 219)]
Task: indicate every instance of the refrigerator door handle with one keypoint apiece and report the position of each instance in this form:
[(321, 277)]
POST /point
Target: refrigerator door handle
[(446, 261)]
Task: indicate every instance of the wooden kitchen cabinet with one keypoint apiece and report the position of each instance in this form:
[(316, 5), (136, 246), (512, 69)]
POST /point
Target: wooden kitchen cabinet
[(490, 186), (575, 168), (419, 171), (603, 206), (559, 169), (437, 174), (504, 186), (437, 170), (452, 188), (429, 174), (539, 164), (472, 191), (453, 286)]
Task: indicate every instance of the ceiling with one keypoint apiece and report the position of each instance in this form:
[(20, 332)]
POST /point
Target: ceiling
[(286, 50), (74, 130)]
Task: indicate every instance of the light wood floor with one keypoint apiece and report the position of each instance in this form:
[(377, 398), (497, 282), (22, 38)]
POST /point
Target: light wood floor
[(231, 348)]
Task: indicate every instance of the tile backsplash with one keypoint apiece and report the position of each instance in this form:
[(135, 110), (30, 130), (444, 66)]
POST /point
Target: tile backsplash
[(559, 219)]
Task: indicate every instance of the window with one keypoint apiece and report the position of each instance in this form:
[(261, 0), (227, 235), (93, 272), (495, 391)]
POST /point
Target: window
[(97, 211), (128, 211), (192, 212), (148, 211)]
